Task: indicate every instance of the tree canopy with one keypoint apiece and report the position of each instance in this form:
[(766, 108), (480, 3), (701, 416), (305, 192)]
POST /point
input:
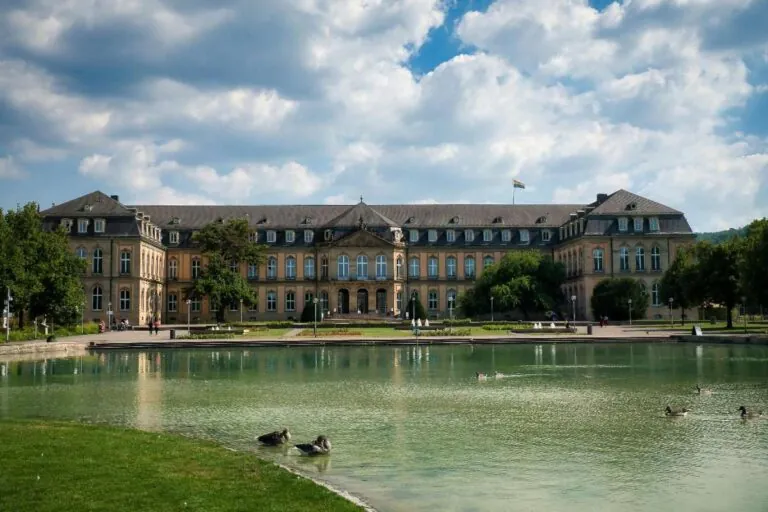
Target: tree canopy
[(415, 301), (43, 273), (611, 298), (754, 262), (225, 243), (527, 280)]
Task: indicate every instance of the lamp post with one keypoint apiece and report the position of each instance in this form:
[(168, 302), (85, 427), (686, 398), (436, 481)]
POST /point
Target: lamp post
[(189, 317), (491, 308), (109, 315), (744, 305), (413, 311), (314, 327), (450, 312), (82, 320), (671, 320), (573, 306), (241, 311), (629, 302), (7, 314)]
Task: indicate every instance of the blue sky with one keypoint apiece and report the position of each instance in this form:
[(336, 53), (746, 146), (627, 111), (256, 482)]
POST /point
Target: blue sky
[(423, 101)]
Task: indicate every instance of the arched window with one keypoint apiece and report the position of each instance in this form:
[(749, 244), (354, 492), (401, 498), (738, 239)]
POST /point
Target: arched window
[(97, 299), (253, 271), (309, 268), (640, 259), (342, 263), (324, 301), (655, 295), (290, 267), (655, 258), (381, 267), (597, 260), (271, 267), (362, 267), (432, 301), (81, 253), (271, 300), (469, 267), (125, 300), (399, 267), (433, 267), (98, 262), (413, 268), (450, 267), (624, 259), (173, 302), (173, 269), (450, 297), (290, 301), (487, 262), (125, 262), (195, 268)]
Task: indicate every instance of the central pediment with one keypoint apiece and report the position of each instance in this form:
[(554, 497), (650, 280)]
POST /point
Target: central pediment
[(361, 238)]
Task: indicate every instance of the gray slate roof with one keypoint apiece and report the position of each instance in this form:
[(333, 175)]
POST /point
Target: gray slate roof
[(101, 206), (619, 203)]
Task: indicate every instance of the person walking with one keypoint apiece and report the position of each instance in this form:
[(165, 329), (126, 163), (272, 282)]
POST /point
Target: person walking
[(149, 324)]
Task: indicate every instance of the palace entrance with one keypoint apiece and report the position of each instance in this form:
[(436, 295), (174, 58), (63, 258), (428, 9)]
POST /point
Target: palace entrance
[(343, 301), (362, 300)]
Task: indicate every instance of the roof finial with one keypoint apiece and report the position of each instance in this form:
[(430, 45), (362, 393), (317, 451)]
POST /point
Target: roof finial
[(361, 198)]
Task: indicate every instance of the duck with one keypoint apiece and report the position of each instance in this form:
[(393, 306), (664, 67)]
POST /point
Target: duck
[(481, 376), (320, 446), (499, 375), (675, 412), (275, 438), (703, 391), (749, 414)]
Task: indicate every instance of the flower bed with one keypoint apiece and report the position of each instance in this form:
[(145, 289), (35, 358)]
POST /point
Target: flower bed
[(330, 332)]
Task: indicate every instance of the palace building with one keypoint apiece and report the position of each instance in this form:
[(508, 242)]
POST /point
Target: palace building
[(362, 258)]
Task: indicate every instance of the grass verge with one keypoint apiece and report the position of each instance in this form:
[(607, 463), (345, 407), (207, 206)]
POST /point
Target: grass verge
[(51, 466)]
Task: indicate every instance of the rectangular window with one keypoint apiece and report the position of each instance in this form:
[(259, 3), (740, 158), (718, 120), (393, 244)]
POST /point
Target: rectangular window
[(195, 269), (524, 236), (66, 224), (545, 236), (271, 236), (99, 225), (433, 235), (487, 235), (469, 235), (309, 236), (125, 300), (639, 225), (399, 301), (413, 235), (653, 224), (290, 236), (506, 235), (172, 303), (253, 236), (450, 235), (173, 237), (623, 223), (253, 271), (82, 226), (195, 305), (271, 301), (290, 301)]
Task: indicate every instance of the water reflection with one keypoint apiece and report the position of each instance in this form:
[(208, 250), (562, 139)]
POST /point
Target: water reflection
[(580, 428)]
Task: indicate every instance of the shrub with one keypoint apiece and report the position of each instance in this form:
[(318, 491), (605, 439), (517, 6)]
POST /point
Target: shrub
[(611, 297), (342, 331), (447, 332), (208, 336)]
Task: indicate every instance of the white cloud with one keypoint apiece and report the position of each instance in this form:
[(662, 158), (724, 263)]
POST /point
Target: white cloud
[(9, 169)]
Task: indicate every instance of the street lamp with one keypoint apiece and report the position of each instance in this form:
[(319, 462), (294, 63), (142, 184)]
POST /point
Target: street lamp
[(314, 327), (671, 320), (413, 311), (241, 311), (573, 305), (189, 316), (82, 320), (629, 302), (491, 308), (109, 314), (744, 305)]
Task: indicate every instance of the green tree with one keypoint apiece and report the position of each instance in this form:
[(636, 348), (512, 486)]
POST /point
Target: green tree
[(681, 281), (528, 281), (308, 314), (226, 243), (718, 278), (415, 301), (754, 262), (611, 298)]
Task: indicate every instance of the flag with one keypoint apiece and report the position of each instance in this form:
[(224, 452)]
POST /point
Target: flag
[(518, 184)]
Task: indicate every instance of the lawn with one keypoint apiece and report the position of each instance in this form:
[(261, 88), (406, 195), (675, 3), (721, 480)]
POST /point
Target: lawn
[(73, 467)]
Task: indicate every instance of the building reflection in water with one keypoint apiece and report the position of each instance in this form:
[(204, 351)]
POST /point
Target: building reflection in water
[(149, 392)]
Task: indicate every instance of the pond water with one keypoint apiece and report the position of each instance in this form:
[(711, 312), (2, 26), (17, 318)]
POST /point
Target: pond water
[(569, 427)]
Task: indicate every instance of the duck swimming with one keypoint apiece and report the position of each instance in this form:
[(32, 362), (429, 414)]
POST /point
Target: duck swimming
[(320, 446), (703, 391), (750, 414), (675, 412), (275, 438), (481, 376)]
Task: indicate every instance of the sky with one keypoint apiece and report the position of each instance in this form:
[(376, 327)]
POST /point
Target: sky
[(400, 101)]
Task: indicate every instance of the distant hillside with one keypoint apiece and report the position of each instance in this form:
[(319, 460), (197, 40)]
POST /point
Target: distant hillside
[(717, 237)]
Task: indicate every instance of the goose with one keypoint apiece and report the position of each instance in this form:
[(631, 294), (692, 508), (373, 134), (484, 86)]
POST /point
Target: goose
[(703, 391), (275, 438), (675, 412), (320, 446), (750, 414), (499, 375)]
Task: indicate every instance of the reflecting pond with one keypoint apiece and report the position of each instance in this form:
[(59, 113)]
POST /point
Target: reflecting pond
[(568, 427)]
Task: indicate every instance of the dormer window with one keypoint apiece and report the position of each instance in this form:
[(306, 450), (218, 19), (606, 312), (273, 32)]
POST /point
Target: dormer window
[(173, 237), (653, 224), (175, 221), (271, 236), (506, 235), (541, 220), (638, 225), (562, 233), (413, 234), (82, 225), (328, 235), (469, 235), (455, 220), (525, 236), (487, 235), (410, 220), (623, 224), (498, 220), (545, 235), (432, 235), (290, 236), (66, 224), (253, 236), (632, 206), (309, 235), (99, 226), (450, 235), (307, 220)]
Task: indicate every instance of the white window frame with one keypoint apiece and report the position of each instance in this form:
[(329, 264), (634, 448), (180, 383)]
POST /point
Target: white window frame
[(655, 259), (173, 237), (655, 295), (653, 224), (97, 299), (450, 235), (253, 236), (623, 224), (195, 305), (197, 268), (487, 235), (525, 236), (290, 236), (253, 271), (414, 267), (432, 235), (506, 235), (309, 267), (173, 303), (290, 269), (433, 267), (361, 266), (125, 298), (99, 225), (271, 267), (451, 267), (290, 301), (309, 236), (467, 271), (173, 268), (342, 266), (469, 235), (433, 300), (82, 225), (271, 301), (381, 266), (598, 263), (413, 235), (546, 235), (67, 223), (638, 224), (271, 236)]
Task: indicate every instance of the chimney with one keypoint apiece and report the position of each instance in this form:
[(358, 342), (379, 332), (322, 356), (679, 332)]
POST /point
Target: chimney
[(601, 198), (116, 198)]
